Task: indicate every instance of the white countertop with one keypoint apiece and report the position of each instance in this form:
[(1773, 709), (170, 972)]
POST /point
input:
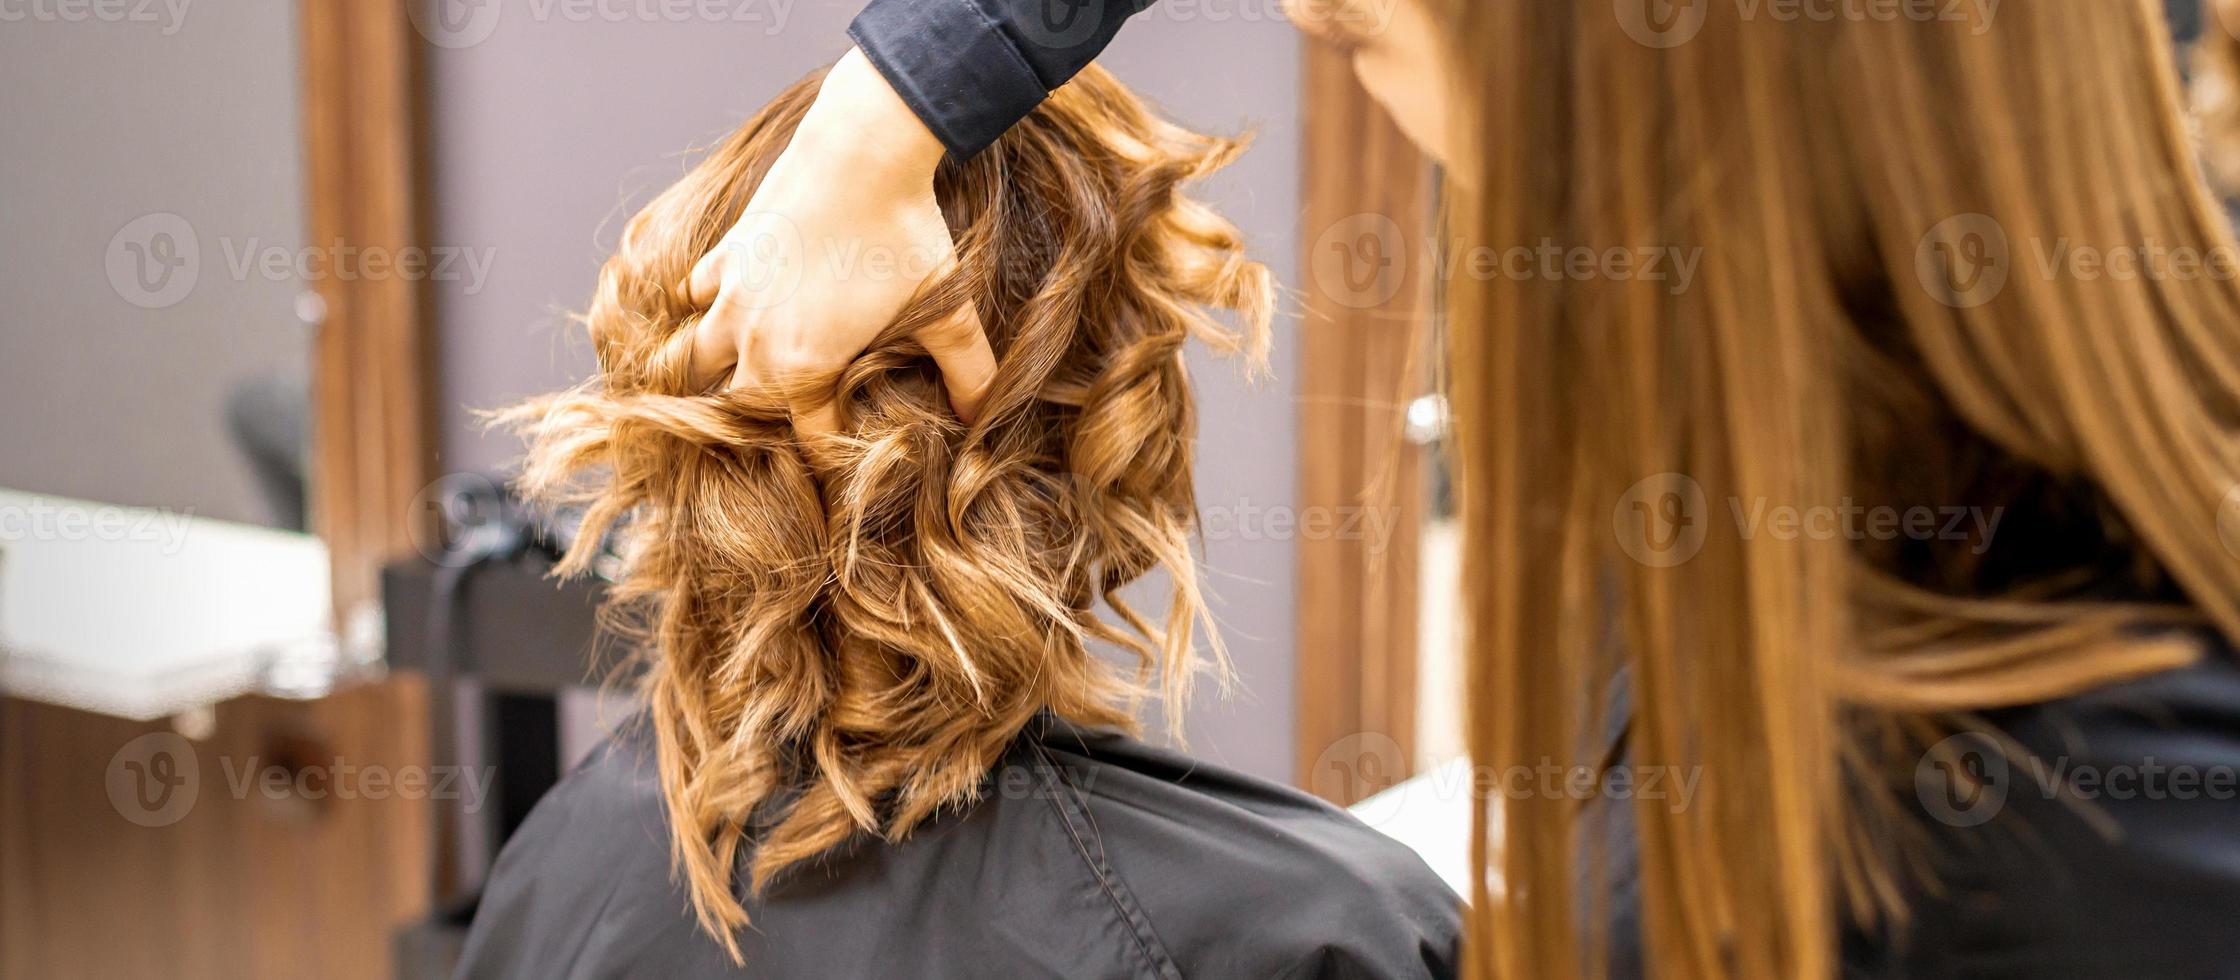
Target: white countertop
[(1431, 814), (144, 613)]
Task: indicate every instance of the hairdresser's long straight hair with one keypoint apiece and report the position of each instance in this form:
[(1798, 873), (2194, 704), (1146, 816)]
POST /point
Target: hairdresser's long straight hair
[(1856, 188)]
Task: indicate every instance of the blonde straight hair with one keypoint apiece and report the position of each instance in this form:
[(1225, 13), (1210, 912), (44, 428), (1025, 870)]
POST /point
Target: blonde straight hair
[(1873, 323)]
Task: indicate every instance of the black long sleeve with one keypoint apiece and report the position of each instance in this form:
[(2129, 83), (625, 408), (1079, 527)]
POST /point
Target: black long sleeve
[(972, 68)]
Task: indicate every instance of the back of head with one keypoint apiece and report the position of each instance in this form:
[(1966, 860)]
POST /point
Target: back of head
[(844, 637)]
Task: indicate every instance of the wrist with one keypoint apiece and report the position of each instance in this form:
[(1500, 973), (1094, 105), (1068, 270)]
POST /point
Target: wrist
[(858, 125)]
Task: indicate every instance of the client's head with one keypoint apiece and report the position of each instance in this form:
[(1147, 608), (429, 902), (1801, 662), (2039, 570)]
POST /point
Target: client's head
[(843, 638)]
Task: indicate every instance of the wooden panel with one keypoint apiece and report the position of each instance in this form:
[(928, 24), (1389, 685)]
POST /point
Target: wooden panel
[(246, 883), (374, 424), (241, 884), (1368, 200)]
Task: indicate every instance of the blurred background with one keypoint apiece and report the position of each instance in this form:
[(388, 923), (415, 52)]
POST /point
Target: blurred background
[(279, 662)]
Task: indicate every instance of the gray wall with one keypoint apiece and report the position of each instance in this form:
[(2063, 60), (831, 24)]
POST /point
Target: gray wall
[(547, 132), (108, 122)]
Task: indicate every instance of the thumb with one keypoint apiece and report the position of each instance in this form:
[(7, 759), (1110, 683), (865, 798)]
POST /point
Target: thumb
[(959, 345), (714, 343), (706, 281)]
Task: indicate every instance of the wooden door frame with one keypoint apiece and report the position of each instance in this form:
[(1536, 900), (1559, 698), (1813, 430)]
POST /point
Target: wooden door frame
[(1367, 195), (374, 433), (242, 884), (374, 445)]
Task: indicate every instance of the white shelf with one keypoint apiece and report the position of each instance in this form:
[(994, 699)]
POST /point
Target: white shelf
[(141, 613)]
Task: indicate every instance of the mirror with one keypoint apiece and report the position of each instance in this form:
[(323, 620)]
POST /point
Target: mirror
[(154, 260), (155, 474)]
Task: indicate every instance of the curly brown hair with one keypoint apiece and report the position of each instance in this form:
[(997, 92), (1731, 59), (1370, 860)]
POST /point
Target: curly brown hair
[(842, 638)]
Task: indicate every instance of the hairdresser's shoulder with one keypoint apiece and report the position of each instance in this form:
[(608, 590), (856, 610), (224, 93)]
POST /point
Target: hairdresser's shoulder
[(1240, 876)]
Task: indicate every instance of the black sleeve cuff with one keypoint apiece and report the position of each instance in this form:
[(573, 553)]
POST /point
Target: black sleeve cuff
[(952, 65)]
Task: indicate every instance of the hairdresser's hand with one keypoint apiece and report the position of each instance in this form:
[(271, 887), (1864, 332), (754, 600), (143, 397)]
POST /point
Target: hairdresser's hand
[(834, 242)]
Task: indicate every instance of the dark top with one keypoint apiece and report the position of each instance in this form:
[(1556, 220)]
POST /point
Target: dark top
[(1091, 856), (972, 68), (2115, 852), (2111, 851)]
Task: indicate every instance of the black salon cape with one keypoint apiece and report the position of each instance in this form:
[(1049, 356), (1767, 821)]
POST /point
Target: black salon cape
[(1091, 856)]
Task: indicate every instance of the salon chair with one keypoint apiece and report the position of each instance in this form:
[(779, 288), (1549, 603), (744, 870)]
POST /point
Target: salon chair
[(498, 640)]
